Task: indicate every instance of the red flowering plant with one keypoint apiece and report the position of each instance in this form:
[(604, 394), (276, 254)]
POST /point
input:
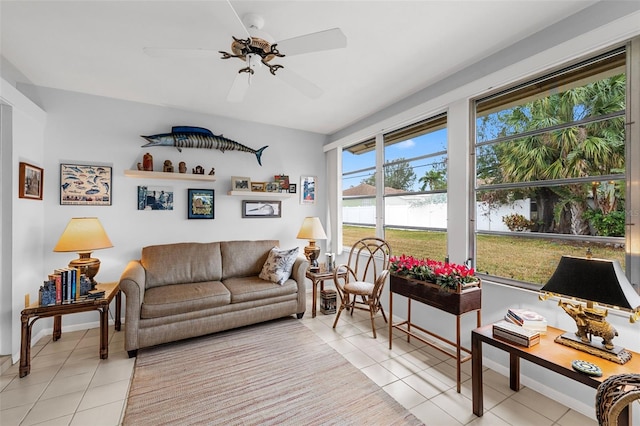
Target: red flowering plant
[(446, 275)]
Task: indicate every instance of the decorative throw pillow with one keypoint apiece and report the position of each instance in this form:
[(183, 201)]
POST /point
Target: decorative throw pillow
[(279, 264)]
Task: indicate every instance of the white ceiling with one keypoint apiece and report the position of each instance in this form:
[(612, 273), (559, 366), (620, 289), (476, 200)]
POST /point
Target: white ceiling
[(394, 49)]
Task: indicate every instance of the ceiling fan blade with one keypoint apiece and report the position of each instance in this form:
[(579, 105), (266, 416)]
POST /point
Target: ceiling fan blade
[(314, 42), (300, 83), (239, 87), (238, 21), (165, 52)]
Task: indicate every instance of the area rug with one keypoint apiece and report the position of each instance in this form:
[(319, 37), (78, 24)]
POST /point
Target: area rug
[(275, 373)]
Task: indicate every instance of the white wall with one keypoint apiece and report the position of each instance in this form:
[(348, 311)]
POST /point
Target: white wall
[(22, 219), (83, 129)]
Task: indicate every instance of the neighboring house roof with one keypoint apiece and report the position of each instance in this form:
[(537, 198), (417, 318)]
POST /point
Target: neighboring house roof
[(366, 189)]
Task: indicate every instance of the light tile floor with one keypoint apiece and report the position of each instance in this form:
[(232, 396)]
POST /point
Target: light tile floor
[(70, 385)]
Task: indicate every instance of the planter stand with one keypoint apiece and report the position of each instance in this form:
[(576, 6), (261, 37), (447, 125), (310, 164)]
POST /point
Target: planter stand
[(465, 299)]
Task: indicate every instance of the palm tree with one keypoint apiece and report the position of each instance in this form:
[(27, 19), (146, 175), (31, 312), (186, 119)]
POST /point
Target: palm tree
[(579, 151)]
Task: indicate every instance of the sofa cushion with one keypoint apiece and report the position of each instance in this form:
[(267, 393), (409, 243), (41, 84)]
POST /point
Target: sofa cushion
[(254, 288), (181, 298), (181, 263), (279, 264), (244, 258)]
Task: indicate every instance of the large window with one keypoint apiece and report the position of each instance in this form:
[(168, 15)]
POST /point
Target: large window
[(414, 167), (551, 171)]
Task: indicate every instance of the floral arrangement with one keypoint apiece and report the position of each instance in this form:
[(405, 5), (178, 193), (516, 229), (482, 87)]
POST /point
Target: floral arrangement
[(446, 275)]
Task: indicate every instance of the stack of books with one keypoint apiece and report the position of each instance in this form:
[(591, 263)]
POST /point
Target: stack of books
[(527, 319), (516, 334)]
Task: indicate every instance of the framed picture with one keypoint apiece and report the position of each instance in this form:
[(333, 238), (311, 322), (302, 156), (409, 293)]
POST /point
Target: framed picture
[(293, 188), (273, 187), (240, 183), (201, 204), (258, 186), (284, 181), (31, 181), (308, 190), (261, 208), (155, 198), (85, 185)]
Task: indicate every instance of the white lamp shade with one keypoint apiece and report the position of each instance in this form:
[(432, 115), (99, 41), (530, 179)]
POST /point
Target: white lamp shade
[(83, 234), (311, 229)]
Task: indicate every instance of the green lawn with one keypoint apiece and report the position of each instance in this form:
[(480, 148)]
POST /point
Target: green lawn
[(519, 258)]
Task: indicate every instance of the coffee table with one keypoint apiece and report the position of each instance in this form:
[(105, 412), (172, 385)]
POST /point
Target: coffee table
[(34, 312)]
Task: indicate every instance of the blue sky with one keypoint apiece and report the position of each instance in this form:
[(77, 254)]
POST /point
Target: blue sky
[(410, 148)]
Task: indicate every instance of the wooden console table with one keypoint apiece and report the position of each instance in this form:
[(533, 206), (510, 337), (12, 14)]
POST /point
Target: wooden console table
[(34, 312), (547, 354), (413, 290)]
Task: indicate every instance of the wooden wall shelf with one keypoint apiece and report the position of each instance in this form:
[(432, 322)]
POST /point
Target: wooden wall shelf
[(254, 194), (166, 175)]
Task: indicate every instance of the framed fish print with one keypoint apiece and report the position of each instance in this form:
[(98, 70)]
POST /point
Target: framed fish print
[(201, 204), (31, 181), (307, 190), (261, 209), (85, 185)]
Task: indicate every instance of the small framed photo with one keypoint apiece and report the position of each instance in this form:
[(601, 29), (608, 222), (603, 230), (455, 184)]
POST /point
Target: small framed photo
[(201, 204), (258, 186), (308, 190), (31, 181), (85, 185), (155, 198), (261, 209), (293, 188), (273, 187), (284, 181), (240, 183)]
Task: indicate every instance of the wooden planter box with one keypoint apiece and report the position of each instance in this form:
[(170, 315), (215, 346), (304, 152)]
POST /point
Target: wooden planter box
[(456, 302)]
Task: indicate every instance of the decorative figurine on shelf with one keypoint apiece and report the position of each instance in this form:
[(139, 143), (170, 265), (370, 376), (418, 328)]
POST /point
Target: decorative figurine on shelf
[(168, 167), (199, 170), (147, 162), (140, 166), (182, 167), (212, 172)]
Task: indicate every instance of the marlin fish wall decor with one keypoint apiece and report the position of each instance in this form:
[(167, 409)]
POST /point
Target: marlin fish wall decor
[(197, 137)]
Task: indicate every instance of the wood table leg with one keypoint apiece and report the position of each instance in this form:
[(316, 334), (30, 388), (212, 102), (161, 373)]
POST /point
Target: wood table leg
[(104, 332), (476, 375), (117, 321), (514, 372), (25, 346), (390, 319), (458, 355), (57, 327), (315, 296)]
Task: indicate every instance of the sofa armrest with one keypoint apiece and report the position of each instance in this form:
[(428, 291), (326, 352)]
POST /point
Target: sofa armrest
[(132, 284), (298, 273)]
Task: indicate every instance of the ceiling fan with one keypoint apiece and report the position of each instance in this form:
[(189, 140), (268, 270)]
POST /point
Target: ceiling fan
[(257, 48)]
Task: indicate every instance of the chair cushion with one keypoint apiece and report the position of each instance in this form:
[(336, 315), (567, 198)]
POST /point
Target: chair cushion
[(279, 264), (359, 287)]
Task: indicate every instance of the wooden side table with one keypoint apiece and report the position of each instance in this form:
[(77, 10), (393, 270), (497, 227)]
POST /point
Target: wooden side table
[(34, 312), (547, 354), (319, 277)]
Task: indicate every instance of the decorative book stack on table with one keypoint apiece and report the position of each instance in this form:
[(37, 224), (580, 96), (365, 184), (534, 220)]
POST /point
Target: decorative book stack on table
[(515, 334)]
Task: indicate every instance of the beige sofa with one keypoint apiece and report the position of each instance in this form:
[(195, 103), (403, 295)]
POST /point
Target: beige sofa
[(182, 290)]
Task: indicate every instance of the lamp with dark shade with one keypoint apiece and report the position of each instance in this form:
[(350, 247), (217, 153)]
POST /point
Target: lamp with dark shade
[(312, 230), (590, 281), (84, 235)]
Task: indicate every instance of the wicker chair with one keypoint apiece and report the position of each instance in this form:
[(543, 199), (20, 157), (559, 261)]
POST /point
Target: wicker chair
[(367, 270), (613, 395)]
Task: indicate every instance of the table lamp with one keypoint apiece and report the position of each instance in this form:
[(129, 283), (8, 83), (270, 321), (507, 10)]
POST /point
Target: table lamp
[(84, 235), (588, 281), (312, 230)]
